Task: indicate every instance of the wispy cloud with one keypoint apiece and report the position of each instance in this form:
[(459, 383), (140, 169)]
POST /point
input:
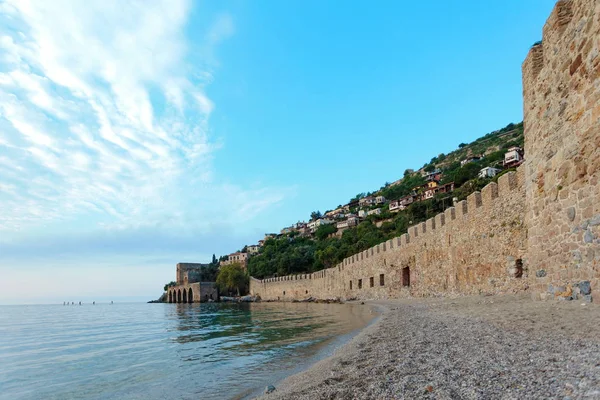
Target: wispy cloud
[(104, 119)]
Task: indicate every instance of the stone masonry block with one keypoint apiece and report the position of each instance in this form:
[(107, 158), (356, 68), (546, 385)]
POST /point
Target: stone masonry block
[(489, 193), (450, 214), (461, 208), (474, 201), (405, 239), (507, 183), (430, 224)]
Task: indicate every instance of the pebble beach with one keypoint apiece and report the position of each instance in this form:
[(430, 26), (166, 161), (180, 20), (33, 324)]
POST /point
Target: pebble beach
[(500, 347)]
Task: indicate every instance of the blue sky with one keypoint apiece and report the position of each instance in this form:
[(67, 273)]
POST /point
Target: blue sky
[(135, 135)]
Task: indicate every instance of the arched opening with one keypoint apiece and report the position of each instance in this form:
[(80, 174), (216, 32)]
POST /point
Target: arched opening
[(170, 296), (406, 276), (179, 296), (190, 296), (184, 296)]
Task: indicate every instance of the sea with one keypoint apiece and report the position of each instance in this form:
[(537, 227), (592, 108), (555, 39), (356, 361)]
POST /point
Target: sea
[(165, 351)]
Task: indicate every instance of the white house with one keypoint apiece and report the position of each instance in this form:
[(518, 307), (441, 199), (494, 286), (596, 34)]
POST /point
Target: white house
[(488, 172), (352, 221), (253, 248), (513, 157), (379, 200), (362, 213), (376, 211)]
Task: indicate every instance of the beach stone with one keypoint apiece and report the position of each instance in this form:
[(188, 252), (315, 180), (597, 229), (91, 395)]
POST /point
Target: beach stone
[(588, 237), (571, 213), (595, 221), (270, 389), (584, 287)]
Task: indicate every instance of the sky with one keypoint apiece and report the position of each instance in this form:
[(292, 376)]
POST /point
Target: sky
[(138, 134)]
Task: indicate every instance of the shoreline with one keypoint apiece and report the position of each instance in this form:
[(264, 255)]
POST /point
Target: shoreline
[(360, 316), (465, 347)]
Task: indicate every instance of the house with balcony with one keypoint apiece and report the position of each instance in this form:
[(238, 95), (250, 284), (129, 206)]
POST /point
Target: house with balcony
[(366, 201), (376, 211), (395, 206), (488, 172), (513, 157), (379, 200), (348, 223)]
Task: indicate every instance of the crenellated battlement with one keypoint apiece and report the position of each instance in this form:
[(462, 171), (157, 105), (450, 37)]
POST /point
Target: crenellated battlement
[(496, 201)]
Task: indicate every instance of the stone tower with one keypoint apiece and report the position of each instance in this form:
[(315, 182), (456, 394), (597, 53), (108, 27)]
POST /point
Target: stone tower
[(561, 90)]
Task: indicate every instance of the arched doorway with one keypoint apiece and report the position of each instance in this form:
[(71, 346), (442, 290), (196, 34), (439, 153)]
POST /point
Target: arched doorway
[(170, 296), (184, 296), (190, 296), (179, 296)]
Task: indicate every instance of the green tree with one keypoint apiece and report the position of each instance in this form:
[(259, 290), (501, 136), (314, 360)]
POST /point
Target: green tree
[(325, 230), (168, 285), (315, 215), (232, 277)]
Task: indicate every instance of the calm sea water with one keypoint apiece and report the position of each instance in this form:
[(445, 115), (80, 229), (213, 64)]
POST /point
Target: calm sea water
[(160, 351)]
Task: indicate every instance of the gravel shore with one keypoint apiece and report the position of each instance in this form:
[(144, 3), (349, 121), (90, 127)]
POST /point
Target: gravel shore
[(503, 347)]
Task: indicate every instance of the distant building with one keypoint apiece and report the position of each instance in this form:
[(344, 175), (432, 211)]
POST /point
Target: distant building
[(350, 222), (334, 213), (287, 230), (513, 157), (314, 225), (189, 273), (362, 213), (252, 249), (379, 200), (470, 160), (376, 211), (435, 175), (394, 205), (238, 257), (488, 172), (366, 201)]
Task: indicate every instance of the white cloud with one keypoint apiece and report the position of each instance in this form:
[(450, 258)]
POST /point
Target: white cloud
[(102, 114)]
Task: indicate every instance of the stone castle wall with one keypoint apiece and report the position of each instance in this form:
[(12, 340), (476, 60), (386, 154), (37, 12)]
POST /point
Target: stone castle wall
[(474, 247), (561, 93), (537, 230)]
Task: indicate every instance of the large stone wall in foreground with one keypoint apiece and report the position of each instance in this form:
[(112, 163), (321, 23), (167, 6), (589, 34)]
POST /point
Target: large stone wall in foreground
[(477, 246), (561, 89)]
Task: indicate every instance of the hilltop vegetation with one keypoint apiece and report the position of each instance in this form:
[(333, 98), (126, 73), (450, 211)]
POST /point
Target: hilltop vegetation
[(292, 253)]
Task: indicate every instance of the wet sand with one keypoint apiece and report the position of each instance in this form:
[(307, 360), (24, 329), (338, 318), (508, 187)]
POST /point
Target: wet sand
[(503, 347)]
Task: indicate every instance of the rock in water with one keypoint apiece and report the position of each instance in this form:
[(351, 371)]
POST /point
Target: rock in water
[(269, 389)]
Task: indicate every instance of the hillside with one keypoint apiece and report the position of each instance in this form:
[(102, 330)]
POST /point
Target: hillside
[(417, 196)]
